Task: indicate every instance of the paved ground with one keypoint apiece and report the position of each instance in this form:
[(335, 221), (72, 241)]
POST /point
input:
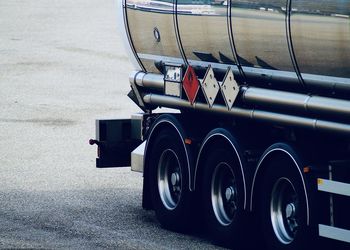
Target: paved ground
[(61, 67)]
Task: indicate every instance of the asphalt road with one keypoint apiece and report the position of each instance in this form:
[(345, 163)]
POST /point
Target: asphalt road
[(62, 65)]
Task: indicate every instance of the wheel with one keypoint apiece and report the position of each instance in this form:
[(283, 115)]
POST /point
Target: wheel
[(223, 197), (169, 187), (283, 207)]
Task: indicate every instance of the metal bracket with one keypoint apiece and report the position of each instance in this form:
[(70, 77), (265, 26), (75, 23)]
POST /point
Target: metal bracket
[(136, 91)]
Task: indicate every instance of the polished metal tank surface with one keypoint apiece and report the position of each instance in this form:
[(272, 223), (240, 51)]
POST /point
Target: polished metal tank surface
[(259, 33), (204, 34), (320, 32), (151, 25), (304, 41)]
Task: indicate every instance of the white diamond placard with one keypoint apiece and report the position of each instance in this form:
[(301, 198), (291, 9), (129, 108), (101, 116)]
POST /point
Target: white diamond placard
[(210, 86), (229, 89)]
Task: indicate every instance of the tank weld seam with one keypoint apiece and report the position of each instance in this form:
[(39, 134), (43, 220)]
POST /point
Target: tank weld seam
[(252, 114), (128, 35), (290, 44), (177, 32), (232, 42), (315, 124), (307, 102)]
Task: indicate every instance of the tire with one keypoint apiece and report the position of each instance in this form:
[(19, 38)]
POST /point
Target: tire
[(169, 187), (223, 198), (283, 207)]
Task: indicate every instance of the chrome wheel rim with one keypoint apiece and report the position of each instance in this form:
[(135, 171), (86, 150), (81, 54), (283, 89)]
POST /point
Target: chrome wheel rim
[(169, 179), (284, 209), (224, 194)]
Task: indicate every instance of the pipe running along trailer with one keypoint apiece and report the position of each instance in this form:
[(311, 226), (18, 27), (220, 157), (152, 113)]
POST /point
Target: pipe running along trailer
[(259, 148)]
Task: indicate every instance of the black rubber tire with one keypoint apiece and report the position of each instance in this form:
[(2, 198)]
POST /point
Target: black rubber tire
[(282, 174), (177, 218), (230, 233)]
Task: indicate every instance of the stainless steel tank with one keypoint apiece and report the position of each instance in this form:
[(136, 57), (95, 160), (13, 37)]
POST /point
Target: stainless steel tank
[(304, 44)]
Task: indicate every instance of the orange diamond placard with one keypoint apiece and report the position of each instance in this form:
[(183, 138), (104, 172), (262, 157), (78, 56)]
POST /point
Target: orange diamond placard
[(190, 84)]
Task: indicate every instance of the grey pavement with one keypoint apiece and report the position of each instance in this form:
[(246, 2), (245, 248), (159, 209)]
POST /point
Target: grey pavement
[(62, 65)]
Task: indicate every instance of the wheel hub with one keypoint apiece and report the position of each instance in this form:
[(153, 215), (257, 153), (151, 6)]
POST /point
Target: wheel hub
[(230, 194), (175, 179), (290, 210), (175, 182)]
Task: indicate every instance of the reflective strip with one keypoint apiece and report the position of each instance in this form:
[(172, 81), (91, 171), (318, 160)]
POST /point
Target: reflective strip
[(334, 233), (334, 187)]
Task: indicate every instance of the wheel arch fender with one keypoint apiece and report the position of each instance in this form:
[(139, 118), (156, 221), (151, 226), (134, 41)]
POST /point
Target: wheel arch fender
[(163, 122), (228, 139), (279, 149)]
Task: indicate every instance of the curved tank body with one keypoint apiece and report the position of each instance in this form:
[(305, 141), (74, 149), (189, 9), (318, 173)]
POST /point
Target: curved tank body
[(304, 44)]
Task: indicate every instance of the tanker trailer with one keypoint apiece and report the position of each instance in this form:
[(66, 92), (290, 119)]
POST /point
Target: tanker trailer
[(258, 149)]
